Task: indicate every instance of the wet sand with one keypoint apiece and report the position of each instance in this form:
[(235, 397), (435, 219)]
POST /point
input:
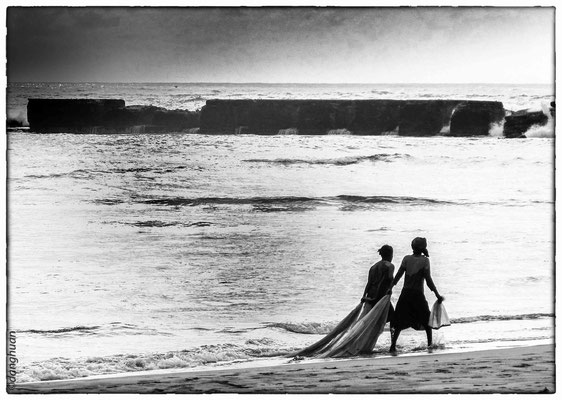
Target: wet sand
[(516, 370)]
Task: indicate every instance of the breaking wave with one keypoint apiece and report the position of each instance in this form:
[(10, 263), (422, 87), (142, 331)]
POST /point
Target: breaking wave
[(63, 368), (541, 131), (17, 118), (208, 355)]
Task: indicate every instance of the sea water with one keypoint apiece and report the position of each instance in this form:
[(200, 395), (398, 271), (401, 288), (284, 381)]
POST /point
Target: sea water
[(140, 252)]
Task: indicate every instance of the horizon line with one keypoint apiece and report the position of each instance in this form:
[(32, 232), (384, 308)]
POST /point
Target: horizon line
[(289, 83)]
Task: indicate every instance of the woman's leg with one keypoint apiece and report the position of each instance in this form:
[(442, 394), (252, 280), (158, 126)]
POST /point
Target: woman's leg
[(393, 338), (429, 333)]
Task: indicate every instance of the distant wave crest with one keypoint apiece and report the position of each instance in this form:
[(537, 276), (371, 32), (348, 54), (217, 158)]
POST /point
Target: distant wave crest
[(183, 201), (163, 224), (518, 317), (113, 328), (298, 203), (343, 161), (89, 173), (391, 199), (322, 328), (292, 203), (307, 328), (78, 329)]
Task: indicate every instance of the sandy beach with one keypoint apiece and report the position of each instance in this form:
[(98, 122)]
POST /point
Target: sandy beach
[(515, 370)]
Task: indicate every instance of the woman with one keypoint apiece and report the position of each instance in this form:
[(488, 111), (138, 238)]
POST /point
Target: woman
[(412, 310), (380, 280), (359, 331)]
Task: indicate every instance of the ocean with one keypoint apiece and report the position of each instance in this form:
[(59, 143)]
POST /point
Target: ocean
[(136, 252)]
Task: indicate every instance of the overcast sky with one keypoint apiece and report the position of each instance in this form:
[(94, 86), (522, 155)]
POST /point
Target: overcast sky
[(310, 45)]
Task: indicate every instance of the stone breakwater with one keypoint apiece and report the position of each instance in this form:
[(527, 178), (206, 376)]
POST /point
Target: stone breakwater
[(104, 116), (361, 117), (271, 117)]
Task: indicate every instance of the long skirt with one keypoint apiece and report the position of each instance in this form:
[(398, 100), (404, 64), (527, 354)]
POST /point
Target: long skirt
[(411, 311)]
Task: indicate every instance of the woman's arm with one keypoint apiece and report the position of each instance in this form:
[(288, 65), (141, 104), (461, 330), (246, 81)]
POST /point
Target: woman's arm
[(430, 284)]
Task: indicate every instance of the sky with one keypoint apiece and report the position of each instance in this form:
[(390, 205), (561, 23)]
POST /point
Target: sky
[(281, 45)]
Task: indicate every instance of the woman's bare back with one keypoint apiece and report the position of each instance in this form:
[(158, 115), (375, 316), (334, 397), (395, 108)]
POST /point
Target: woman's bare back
[(416, 268)]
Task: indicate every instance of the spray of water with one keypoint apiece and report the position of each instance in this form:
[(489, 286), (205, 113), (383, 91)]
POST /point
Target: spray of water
[(496, 129), (542, 131), (18, 118), (339, 132)]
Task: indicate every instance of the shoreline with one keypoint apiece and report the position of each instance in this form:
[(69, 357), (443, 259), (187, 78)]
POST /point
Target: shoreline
[(525, 369)]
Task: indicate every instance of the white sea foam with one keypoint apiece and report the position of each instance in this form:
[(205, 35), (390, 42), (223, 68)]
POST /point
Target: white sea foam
[(496, 129), (445, 130), (542, 131), (19, 115), (63, 368), (339, 132), (288, 131)]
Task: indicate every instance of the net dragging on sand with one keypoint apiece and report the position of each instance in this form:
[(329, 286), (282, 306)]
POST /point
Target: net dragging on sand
[(357, 333)]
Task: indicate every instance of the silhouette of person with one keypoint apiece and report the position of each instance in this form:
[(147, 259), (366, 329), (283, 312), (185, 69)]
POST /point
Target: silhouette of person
[(412, 310)]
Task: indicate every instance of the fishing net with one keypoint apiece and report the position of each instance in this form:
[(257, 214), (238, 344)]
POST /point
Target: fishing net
[(438, 317), (357, 333)]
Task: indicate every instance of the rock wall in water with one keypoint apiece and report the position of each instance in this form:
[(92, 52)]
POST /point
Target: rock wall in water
[(269, 117), (361, 117), (104, 116)]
